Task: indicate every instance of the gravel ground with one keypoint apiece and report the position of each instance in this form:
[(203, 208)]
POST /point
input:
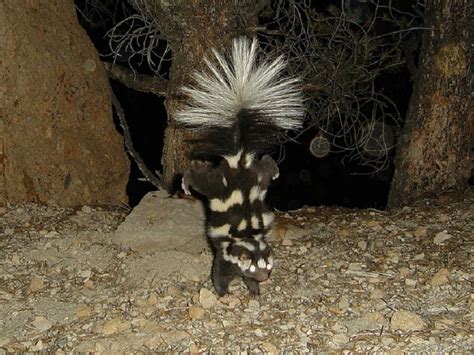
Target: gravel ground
[(357, 280)]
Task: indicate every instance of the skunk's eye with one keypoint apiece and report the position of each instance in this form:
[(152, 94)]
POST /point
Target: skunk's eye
[(252, 268)]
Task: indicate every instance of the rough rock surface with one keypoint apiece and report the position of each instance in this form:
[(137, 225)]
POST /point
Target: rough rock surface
[(350, 280), (161, 223), (58, 142)]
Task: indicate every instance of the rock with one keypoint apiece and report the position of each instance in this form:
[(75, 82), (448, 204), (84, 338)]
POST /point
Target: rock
[(196, 312), (207, 299), (441, 237), (36, 284), (86, 274), (38, 346), (62, 148), (377, 294), (161, 223), (3, 210), (406, 321), (51, 234), (344, 233), (440, 278), (115, 325), (373, 321), (42, 324), (193, 348), (16, 259), (174, 291), (404, 271), (174, 336), (362, 245), (253, 305), (421, 232), (420, 256), (340, 339), (5, 296), (152, 300), (158, 337), (84, 312), (89, 284), (86, 209), (343, 304), (258, 332), (269, 348)]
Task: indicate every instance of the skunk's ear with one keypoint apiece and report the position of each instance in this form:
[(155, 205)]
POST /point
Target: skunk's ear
[(267, 169)]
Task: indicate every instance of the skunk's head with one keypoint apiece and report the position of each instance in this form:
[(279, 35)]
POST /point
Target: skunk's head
[(252, 257)]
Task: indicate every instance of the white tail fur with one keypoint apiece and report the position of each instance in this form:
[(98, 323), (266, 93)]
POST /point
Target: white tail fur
[(235, 82)]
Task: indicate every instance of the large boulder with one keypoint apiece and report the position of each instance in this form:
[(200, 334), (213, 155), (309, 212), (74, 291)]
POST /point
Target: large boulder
[(58, 142)]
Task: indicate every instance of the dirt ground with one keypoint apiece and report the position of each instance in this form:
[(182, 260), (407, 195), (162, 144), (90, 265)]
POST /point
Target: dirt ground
[(358, 280)]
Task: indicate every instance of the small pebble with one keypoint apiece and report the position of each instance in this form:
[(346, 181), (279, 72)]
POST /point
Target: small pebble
[(36, 284), (440, 278), (441, 237), (196, 312), (41, 323), (406, 321), (207, 299)]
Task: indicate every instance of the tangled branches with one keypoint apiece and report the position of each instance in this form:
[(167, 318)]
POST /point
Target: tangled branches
[(340, 53)]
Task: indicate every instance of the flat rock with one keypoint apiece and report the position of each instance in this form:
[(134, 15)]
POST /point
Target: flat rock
[(115, 325), (406, 321), (441, 237), (42, 324), (206, 298), (440, 278), (373, 321), (161, 223)]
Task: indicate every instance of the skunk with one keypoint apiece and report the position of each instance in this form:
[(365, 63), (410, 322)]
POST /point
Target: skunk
[(239, 109)]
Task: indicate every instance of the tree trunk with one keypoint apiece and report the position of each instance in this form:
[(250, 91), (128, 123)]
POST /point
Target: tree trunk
[(192, 28), (433, 151), (58, 142)]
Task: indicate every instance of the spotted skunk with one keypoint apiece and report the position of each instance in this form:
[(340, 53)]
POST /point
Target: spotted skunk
[(239, 109)]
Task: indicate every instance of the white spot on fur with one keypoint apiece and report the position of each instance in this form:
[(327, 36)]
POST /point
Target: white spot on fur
[(262, 245), (242, 264), (274, 177), (262, 195), (269, 266), (248, 160), (254, 221), (224, 181), (253, 268), (259, 177), (185, 187), (254, 193), (270, 260), (267, 218), (221, 231), (261, 263), (242, 225), (233, 160), (218, 205), (246, 245)]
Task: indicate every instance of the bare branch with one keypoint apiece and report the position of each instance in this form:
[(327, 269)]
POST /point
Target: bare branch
[(149, 176), (135, 81)]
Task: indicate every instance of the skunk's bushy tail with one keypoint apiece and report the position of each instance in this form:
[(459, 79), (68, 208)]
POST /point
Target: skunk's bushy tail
[(241, 104)]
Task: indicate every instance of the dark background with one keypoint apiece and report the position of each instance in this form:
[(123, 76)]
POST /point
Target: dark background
[(304, 179)]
